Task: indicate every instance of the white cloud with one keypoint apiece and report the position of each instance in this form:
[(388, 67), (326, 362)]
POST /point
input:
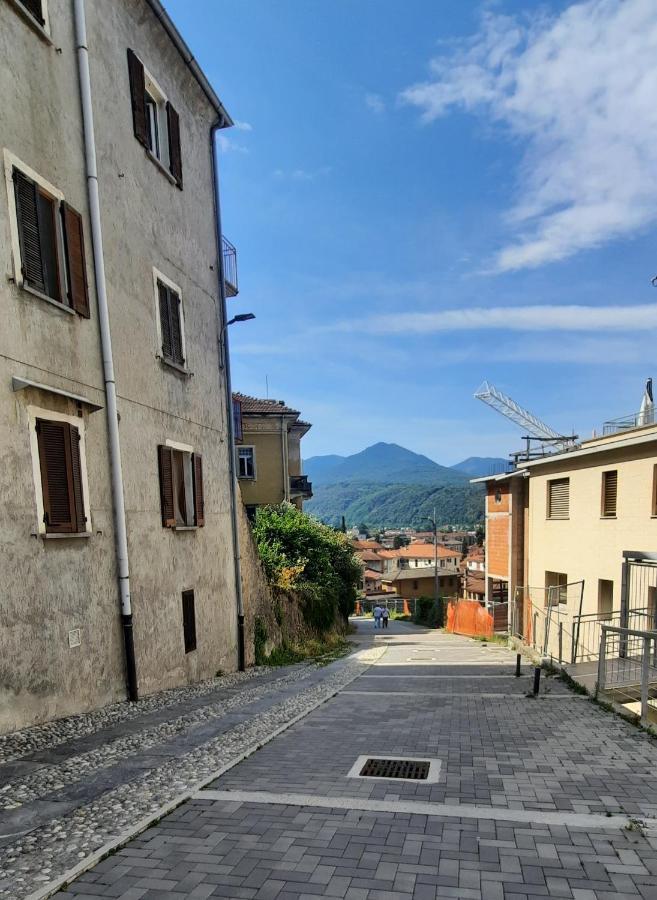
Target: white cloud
[(375, 103), (580, 89), (243, 126), (227, 145), (302, 174), (511, 318)]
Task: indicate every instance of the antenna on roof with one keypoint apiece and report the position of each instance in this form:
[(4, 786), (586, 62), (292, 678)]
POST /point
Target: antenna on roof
[(267, 387)]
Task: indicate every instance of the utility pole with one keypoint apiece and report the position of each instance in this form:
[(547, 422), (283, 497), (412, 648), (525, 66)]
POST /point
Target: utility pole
[(436, 580)]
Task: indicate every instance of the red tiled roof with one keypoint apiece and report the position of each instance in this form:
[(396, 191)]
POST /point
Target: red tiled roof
[(264, 407), (366, 545), (370, 573), (425, 551), (367, 555)]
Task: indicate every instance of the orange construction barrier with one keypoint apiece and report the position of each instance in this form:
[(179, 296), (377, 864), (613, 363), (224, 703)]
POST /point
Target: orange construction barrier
[(469, 617), (357, 611), (407, 609)]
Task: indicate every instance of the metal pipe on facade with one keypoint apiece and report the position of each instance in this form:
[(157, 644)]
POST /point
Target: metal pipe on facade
[(225, 354), (116, 473)]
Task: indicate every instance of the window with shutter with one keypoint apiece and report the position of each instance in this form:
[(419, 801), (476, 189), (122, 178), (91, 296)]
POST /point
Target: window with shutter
[(50, 243), (189, 621), (558, 499), (171, 324), (238, 432), (181, 488), (138, 97), (609, 494), (61, 477)]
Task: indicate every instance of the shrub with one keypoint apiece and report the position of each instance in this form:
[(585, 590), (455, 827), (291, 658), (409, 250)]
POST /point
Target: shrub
[(430, 612), (300, 553)]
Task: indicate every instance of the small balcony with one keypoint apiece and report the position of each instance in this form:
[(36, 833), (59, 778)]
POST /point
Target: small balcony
[(300, 487), (230, 267)]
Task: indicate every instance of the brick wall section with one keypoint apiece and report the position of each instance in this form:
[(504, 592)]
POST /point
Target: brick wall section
[(497, 546), (492, 488)]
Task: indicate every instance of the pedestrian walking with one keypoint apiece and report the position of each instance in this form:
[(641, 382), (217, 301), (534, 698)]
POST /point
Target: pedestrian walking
[(377, 616), (385, 615)]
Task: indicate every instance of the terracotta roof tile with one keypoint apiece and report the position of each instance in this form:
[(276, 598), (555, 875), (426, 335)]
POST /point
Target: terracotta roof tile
[(263, 407), (366, 545), (425, 551)]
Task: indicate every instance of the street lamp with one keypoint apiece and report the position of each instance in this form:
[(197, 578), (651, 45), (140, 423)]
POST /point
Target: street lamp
[(434, 525), (240, 317)]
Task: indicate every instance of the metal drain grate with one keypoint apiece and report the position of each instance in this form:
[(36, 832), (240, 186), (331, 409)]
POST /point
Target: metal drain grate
[(396, 768)]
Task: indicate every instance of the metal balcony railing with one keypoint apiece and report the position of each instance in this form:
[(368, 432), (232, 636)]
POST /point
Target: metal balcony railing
[(230, 267), (300, 487), (627, 668), (627, 423)]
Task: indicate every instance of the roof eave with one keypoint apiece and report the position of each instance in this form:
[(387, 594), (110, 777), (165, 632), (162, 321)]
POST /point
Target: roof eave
[(224, 119)]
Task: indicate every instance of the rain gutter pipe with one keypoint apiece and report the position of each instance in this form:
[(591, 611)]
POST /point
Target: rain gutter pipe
[(120, 535), (224, 353)]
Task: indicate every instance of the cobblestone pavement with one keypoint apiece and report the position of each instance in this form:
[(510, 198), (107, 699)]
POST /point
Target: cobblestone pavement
[(71, 787), (546, 797)]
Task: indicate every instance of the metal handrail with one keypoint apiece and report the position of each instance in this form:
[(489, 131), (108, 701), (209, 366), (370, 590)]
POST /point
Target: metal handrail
[(629, 663)]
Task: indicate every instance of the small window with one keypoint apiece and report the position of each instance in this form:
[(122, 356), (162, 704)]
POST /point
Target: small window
[(558, 498), (251, 510), (189, 621), (246, 462), (556, 588), (605, 599), (51, 257), (171, 324), (61, 477), (415, 585), (181, 488), (498, 495), (609, 494), (156, 123)]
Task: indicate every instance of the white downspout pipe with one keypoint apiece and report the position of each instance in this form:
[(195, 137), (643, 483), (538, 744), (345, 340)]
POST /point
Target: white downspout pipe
[(224, 354), (120, 536)]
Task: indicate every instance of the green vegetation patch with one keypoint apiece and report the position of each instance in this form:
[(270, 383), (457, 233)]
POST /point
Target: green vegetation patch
[(322, 651)]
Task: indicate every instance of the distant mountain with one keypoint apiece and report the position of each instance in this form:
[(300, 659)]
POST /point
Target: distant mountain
[(383, 464), (398, 505), (476, 466), (317, 466), (388, 485)]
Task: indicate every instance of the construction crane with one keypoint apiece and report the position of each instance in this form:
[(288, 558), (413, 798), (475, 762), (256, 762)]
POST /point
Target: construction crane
[(530, 424)]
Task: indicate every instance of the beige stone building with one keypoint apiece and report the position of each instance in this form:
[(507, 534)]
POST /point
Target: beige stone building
[(114, 433), (269, 467)]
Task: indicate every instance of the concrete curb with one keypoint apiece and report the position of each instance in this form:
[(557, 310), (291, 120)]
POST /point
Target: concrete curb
[(140, 826)]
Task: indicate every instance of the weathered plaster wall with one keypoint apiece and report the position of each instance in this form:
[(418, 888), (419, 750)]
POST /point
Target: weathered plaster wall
[(50, 586), (267, 486)]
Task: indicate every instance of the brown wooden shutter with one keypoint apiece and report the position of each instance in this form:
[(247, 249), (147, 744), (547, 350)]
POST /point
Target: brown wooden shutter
[(199, 500), (165, 321), (175, 156), (165, 459), (609, 493), (29, 232), (76, 477), (176, 328), (138, 97), (78, 289), (54, 443)]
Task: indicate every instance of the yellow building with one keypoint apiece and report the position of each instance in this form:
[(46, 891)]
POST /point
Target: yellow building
[(268, 436), (591, 535)]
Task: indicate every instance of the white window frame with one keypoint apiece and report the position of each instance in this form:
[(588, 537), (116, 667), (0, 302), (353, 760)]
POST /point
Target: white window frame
[(160, 276), (153, 89), (190, 498), (12, 162), (42, 30), (38, 412), (252, 448)]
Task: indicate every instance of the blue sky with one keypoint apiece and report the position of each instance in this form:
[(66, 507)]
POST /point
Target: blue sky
[(426, 195)]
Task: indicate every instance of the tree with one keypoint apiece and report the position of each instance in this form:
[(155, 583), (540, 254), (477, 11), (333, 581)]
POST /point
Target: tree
[(343, 525), (464, 548), (363, 529), (400, 540), (479, 534)]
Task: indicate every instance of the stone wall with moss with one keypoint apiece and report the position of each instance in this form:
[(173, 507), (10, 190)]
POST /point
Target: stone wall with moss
[(272, 617)]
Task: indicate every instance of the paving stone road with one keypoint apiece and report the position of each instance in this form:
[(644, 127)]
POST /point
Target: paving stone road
[(534, 798)]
